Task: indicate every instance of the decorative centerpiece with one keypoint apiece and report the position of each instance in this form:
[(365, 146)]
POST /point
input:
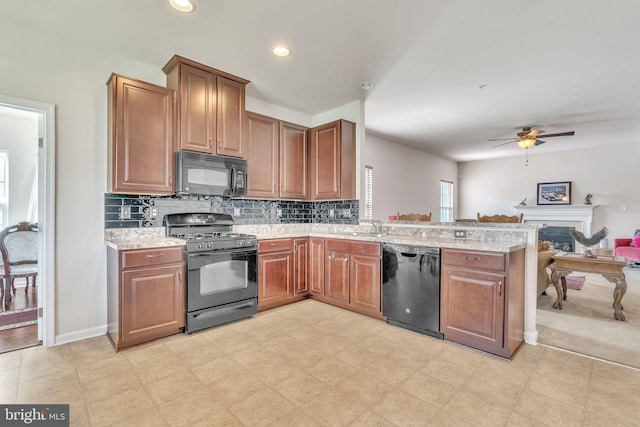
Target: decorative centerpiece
[(589, 242)]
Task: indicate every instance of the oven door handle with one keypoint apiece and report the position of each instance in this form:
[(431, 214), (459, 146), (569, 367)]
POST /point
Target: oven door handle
[(246, 250)]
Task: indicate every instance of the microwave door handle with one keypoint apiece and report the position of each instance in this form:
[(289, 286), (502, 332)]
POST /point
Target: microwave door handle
[(233, 180)]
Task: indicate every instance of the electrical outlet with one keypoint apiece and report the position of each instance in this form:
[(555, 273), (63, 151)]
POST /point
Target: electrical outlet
[(154, 212), (237, 211), (332, 213), (460, 234), (346, 213), (279, 213), (125, 212)]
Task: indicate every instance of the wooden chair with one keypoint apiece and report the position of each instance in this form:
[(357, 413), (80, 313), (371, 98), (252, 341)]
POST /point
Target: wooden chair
[(19, 247), (414, 217), (500, 218)]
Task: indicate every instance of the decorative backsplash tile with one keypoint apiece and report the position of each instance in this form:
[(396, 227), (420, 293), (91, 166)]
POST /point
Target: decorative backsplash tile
[(149, 211)]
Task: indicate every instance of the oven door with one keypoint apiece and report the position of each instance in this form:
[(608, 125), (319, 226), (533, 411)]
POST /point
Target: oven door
[(217, 278)]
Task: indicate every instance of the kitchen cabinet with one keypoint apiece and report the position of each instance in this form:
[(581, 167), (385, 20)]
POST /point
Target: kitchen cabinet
[(316, 266), (145, 294), (282, 272), (352, 277), (210, 107), (332, 164), (277, 158), (482, 299), (140, 119)]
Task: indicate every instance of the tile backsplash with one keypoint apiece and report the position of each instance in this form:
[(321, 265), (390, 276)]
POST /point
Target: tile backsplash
[(149, 211)]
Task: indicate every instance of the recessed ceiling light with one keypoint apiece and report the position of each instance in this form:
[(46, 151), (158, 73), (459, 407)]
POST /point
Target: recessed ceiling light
[(281, 51), (182, 5), (367, 85)]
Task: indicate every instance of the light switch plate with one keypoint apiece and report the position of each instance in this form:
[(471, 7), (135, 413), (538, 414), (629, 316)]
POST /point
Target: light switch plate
[(125, 212)]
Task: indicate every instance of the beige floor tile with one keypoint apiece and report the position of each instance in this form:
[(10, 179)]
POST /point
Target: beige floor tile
[(149, 353), (149, 418), (295, 418), (363, 388), (183, 343), (159, 368), (403, 409), (370, 419), (444, 419), (253, 355), (351, 334), (190, 407), (10, 376), (34, 371), (575, 374), (234, 388), (9, 392), (40, 355), (300, 388), (308, 335), (609, 372), (173, 386), (567, 392), (478, 409), (70, 396), (104, 387), (331, 371), (429, 389), (389, 371), (326, 344), (328, 326), (217, 369), (200, 356), (119, 407), (44, 386), (104, 368), (333, 409), (357, 356), (304, 357), (261, 333), (529, 356), (378, 344), (509, 372), (616, 400), (410, 358), (463, 356), (283, 344), (548, 410), (556, 357), (91, 350), (446, 371), (10, 360), (223, 417), (274, 370), (501, 392), (261, 408), (233, 343), (517, 420)]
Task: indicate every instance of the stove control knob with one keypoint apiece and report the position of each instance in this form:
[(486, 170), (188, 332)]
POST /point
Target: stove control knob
[(199, 246), (209, 245)]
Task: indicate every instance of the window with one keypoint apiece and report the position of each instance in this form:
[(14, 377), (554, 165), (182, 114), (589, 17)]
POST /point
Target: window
[(446, 201), (4, 188), (368, 192)]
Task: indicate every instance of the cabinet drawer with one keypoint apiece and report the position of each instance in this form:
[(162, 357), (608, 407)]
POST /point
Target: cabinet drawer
[(156, 256), (353, 246), (274, 245), (493, 261)]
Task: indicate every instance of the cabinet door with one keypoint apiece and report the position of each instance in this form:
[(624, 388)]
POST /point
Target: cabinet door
[(364, 283), (300, 270), (141, 137), (274, 278), (472, 308), (337, 277), (316, 266), (152, 303), (230, 117), (197, 99), (293, 161), (262, 156), (325, 162)]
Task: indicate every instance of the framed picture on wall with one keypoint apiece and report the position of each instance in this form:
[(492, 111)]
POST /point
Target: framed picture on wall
[(554, 193)]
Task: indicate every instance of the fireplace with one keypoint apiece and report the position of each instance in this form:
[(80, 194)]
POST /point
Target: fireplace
[(560, 238)]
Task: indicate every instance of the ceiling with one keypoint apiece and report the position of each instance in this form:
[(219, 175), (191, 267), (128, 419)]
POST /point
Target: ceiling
[(449, 74)]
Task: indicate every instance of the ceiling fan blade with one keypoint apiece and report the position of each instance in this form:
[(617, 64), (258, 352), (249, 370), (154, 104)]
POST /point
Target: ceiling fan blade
[(538, 142), (504, 143), (503, 139), (560, 134)]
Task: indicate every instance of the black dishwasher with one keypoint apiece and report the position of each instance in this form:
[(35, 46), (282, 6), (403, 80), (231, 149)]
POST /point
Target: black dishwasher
[(411, 287)]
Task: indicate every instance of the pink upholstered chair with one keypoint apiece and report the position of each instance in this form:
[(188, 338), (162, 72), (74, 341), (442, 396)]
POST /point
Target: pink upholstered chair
[(622, 247)]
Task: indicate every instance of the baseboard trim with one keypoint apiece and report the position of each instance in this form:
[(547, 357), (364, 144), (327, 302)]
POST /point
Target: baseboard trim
[(531, 337), (80, 335)]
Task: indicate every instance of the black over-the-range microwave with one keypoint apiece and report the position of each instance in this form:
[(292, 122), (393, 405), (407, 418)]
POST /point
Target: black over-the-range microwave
[(207, 174)]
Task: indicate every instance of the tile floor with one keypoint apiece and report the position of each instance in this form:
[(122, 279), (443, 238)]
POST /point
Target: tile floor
[(311, 364)]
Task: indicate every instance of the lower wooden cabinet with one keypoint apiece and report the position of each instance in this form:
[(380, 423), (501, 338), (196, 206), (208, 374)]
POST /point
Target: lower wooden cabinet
[(482, 299), (282, 271), (146, 294), (352, 276), (316, 266)]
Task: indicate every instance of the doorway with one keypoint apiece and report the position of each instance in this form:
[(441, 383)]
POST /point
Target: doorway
[(38, 207)]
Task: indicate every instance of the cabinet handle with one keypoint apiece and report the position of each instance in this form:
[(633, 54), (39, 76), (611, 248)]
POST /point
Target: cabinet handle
[(210, 142), (500, 288), (472, 258), (180, 276), (219, 143), (154, 255)]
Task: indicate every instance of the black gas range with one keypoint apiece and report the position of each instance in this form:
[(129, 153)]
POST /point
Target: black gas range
[(222, 283)]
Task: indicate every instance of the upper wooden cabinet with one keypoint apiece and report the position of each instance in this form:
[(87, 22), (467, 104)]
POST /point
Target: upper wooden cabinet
[(276, 157), (210, 107), (140, 133), (332, 162)]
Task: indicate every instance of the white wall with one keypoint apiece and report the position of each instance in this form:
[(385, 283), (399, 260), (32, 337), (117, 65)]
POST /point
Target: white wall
[(19, 138), (610, 174), (406, 180)]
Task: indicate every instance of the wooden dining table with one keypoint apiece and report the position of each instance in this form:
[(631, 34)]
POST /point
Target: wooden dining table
[(610, 267)]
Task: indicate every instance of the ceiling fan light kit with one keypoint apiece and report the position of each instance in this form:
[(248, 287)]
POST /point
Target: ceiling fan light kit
[(527, 142)]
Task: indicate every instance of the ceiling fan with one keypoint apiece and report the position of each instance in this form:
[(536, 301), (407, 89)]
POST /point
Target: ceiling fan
[(529, 137)]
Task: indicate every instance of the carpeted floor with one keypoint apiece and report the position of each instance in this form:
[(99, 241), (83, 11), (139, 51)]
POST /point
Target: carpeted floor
[(586, 325)]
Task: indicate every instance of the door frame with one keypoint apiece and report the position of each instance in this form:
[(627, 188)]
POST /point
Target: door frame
[(46, 212)]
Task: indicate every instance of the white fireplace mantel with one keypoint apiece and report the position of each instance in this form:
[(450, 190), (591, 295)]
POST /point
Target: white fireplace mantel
[(582, 215)]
